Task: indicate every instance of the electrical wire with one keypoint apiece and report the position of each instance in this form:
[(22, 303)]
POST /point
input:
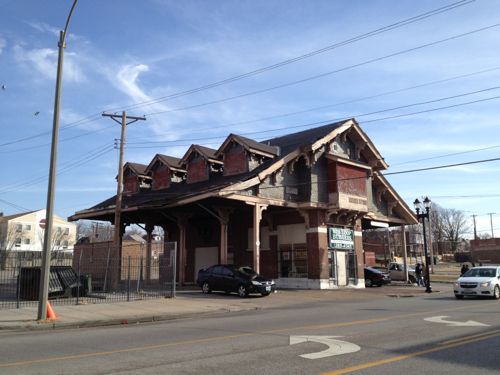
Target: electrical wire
[(307, 55), (326, 122), (326, 74)]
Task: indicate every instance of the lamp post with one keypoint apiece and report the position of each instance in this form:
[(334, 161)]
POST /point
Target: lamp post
[(425, 214), (47, 242)]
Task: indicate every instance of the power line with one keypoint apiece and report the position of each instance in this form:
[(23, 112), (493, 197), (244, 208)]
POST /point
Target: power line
[(94, 117), (289, 114), (351, 40), (326, 122), (322, 75)]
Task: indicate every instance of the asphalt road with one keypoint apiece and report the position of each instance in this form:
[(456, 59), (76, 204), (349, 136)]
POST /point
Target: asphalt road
[(414, 335)]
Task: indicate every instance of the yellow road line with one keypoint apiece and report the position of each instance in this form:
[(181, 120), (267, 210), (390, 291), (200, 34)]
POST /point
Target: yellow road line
[(363, 366), (216, 338)]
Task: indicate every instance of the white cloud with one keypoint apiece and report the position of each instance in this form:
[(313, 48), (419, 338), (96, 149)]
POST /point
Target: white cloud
[(44, 60)]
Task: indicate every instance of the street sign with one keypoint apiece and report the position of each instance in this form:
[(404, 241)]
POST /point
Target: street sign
[(335, 347), (340, 238), (41, 223)]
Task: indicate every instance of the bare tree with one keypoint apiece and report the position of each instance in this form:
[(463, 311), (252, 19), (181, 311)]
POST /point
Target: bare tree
[(94, 231), (449, 226)]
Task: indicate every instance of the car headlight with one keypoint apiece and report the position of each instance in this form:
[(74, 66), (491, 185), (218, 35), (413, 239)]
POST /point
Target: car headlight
[(484, 285), (256, 283), (456, 284)]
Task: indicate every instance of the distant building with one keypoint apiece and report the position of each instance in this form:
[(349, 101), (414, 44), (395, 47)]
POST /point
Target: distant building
[(25, 232), (485, 251)]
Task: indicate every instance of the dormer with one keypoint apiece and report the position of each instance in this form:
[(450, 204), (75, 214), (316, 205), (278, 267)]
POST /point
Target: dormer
[(135, 178), (164, 171), (201, 163), (241, 154)]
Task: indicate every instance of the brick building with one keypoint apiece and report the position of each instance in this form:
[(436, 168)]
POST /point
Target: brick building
[(306, 197), (485, 251)]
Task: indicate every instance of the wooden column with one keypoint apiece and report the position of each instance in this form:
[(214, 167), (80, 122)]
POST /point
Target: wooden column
[(223, 217), (149, 237), (405, 255), (257, 217), (182, 252)]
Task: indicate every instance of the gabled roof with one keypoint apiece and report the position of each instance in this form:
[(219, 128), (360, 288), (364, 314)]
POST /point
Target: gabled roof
[(287, 148), (249, 145), (15, 216), (206, 152), (170, 161), (138, 169)]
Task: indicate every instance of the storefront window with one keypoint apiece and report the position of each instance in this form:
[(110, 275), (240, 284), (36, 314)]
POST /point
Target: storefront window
[(293, 260), (332, 264)]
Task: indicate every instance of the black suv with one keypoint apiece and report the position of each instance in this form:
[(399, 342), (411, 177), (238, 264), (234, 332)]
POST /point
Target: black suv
[(229, 278)]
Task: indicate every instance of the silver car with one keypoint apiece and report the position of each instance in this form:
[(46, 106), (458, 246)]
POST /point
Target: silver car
[(479, 281)]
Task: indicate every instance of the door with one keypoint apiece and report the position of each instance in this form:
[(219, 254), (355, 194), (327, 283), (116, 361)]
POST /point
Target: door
[(342, 268), (205, 257)]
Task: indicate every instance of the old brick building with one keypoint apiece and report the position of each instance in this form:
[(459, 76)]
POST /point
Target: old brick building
[(293, 207)]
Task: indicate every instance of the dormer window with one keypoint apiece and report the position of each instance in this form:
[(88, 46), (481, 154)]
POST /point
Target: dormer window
[(241, 155), (201, 163), (135, 178)]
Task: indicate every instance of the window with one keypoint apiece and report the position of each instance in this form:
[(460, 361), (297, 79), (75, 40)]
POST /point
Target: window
[(59, 230), (65, 244), (27, 241), (18, 242), (19, 227), (332, 266), (66, 230), (27, 227), (57, 243), (293, 260)]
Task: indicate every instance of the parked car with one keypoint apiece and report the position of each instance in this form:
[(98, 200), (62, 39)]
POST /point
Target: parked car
[(479, 281), (397, 272), (234, 279), (376, 277)]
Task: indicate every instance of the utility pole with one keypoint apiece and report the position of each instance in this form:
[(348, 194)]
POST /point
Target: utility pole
[(491, 223), (119, 190), (43, 294), (475, 231)]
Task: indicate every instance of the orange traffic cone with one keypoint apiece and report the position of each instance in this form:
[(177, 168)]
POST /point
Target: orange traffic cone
[(51, 315)]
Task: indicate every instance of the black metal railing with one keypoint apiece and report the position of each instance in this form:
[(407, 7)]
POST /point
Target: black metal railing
[(83, 278)]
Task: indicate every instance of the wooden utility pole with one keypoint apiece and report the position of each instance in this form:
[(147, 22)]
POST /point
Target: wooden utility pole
[(119, 190), (491, 224), (475, 231)]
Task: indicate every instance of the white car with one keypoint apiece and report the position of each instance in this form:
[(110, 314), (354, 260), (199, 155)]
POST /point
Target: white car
[(479, 281)]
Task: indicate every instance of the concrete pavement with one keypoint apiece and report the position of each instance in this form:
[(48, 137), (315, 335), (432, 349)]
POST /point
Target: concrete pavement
[(189, 303)]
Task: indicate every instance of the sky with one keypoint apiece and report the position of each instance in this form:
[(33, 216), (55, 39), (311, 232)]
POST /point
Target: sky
[(422, 78)]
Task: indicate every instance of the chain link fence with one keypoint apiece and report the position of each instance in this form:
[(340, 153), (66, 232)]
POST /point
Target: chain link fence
[(91, 274)]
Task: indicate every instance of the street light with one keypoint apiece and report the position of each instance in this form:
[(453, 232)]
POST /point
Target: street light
[(43, 294), (425, 205)]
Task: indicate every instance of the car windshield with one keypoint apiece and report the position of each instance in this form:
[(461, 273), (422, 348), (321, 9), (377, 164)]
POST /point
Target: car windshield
[(247, 271), (480, 272)]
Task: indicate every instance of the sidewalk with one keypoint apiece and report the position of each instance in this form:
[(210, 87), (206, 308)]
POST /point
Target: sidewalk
[(187, 303)]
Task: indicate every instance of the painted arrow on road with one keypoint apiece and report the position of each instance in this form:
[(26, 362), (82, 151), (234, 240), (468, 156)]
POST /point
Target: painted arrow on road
[(335, 347), (451, 323)]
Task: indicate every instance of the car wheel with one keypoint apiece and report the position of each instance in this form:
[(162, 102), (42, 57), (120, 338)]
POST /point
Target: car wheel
[(265, 294), (242, 291), (205, 288), (496, 292), (368, 283), (459, 296), (379, 285)]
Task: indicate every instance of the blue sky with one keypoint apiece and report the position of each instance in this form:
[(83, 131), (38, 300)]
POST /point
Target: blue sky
[(121, 53)]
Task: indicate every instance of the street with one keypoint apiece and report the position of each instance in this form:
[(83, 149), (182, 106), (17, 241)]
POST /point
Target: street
[(368, 335)]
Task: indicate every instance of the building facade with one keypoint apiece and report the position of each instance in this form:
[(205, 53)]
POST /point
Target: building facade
[(293, 207), (25, 232)]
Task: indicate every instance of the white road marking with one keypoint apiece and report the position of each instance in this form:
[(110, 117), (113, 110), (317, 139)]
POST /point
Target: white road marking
[(451, 323), (335, 347)]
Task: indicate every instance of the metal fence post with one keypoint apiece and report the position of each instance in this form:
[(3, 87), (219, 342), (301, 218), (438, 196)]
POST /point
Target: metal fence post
[(139, 275), (18, 286), (128, 279), (79, 279)]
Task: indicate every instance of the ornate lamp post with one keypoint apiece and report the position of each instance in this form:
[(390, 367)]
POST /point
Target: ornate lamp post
[(426, 207)]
